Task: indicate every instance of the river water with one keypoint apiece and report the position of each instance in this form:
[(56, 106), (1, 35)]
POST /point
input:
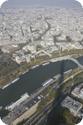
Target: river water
[(33, 79)]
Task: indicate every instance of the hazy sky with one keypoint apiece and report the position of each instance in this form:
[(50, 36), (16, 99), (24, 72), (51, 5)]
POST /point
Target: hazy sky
[(63, 3)]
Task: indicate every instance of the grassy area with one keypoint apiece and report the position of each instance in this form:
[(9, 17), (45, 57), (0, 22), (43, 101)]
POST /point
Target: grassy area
[(49, 95), (73, 80), (7, 68), (3, 112), (64, 116)]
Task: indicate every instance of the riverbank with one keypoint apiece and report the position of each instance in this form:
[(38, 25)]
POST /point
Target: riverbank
[(33, 67), (36, 66), (33, 79), (22, 68)]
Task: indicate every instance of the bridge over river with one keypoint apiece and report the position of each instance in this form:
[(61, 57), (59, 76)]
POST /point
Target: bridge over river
[(76, 62)]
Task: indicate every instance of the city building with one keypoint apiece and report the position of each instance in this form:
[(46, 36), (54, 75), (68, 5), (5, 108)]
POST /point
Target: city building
[(73, 105), (78, 91)]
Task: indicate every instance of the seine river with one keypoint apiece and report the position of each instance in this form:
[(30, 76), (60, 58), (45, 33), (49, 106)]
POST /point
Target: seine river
[(33, 79)]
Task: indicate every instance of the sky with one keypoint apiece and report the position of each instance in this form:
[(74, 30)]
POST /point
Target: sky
[(63, 3)]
